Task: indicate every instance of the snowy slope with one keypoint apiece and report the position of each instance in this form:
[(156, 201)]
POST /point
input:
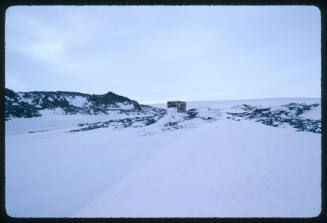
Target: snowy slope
[(314, 114), (54, 174), (220, 159), (40, 103), (218, 170)]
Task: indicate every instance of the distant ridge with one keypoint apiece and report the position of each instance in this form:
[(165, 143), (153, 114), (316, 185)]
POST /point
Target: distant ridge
[(30, 104)]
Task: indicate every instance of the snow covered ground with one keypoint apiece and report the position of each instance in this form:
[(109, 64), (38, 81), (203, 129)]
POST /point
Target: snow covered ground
[(207, 166)]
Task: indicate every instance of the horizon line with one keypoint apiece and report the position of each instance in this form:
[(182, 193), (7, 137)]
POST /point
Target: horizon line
[(162, 102), (239, 99)]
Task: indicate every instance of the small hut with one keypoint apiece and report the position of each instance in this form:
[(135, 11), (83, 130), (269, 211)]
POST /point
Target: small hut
[(180, 105)]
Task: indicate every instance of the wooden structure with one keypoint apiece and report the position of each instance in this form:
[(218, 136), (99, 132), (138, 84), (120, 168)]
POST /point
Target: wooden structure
[(180, 105)]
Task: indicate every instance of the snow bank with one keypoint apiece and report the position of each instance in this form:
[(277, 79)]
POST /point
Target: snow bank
[(315, 113), (221, 168), (125, 105), (77, 101), (55, 173), (227, 169)]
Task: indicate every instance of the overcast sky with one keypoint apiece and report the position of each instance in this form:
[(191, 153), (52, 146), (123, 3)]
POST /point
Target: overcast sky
[(158, 53)]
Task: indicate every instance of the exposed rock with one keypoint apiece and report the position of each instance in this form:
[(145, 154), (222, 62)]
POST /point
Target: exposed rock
[(288, 114), (31, 104)]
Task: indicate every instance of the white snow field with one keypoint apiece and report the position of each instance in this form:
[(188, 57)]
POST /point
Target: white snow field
[(220, 168)]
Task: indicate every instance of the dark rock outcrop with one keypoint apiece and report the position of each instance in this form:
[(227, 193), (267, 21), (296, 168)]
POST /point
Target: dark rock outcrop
[(30, 104), (289, 114)]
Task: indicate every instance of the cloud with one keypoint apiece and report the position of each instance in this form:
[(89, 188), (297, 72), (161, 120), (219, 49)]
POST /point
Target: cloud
[(157, 53)]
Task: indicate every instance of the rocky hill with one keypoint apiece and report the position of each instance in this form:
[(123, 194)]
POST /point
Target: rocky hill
[(123, 112), (32, 104)]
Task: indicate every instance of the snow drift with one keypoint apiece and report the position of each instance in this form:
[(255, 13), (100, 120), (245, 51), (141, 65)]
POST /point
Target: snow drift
[(258, 158)]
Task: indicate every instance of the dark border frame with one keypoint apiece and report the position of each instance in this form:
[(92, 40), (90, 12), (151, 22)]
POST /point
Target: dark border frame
[(5, 218)]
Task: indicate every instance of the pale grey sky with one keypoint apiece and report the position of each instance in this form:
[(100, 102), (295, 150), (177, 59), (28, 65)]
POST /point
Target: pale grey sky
[(158, 53)]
